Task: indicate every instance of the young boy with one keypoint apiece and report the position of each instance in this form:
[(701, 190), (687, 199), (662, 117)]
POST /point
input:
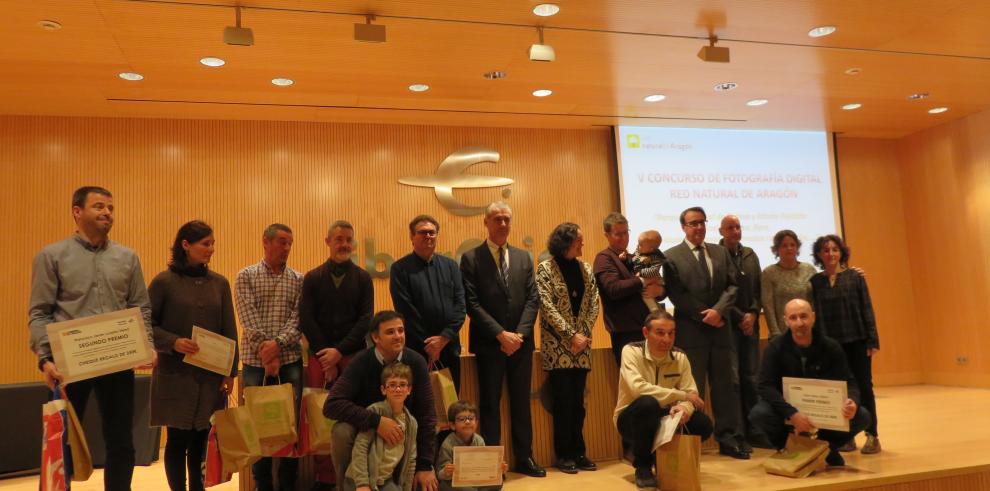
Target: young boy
[(376, 466), (463, 417), (648, 261)]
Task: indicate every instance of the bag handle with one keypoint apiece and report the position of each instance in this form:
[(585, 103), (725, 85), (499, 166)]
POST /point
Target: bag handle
[(437, 363), (278, 379)]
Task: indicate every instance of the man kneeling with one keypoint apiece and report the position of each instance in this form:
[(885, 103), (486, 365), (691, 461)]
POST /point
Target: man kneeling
[(654, 381), (805, 353)]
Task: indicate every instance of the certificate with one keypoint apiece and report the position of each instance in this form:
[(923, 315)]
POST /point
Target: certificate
[(665, 433), (477, 466), (820, 400), (101, 344), (216, 352)]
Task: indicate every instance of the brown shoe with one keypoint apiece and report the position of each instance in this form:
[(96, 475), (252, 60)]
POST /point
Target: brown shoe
[(872, 444), (850, 446)]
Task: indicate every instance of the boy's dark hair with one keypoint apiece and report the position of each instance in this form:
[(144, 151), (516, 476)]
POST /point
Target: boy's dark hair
[(460, 407), (397, 369)]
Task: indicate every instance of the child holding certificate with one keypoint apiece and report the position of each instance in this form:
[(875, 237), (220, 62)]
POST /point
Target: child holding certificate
[(375, 465), (463, 417)]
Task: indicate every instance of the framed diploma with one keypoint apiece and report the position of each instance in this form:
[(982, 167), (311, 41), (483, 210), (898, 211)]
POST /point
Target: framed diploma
[(820, 400), (216, 352), (477, 466), (97, 345)]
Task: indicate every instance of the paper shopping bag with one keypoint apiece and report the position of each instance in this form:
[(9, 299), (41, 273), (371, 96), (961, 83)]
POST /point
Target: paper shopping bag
[(273, 410), (236, 438), (82, 460), (314, 427), (213, 472), (800, 457), (444, 394), (679, 464), (56, 459)]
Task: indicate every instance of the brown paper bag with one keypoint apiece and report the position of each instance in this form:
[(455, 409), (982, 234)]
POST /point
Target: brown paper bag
[(444, 394), (82, 461), (679, 464), (273, 410), (237, 438), (800, 458), (315, 428)]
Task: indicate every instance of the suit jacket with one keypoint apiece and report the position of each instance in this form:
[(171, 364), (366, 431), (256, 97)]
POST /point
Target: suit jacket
[(621, 293), (494, 307), (688, 289), (748, 296)]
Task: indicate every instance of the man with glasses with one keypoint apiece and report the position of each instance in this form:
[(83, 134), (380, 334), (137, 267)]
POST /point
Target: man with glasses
[(427, 290), (701, 283)]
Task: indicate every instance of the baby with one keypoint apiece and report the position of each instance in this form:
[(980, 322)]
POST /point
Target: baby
[(648, 261)]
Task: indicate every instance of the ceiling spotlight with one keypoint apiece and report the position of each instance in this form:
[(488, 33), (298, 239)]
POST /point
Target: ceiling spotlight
[(821, 31), (713, 53), (495, 75), (368, 32), (419, 87), (918, 96), (854, 71), (725, 86), (546, 9), (49, 25), (937, 110), (757, 102), (654, 98), (542, 92), (541, 52), (282, 82), (133, 77), (212, 61), (236, 35), (853, 106)]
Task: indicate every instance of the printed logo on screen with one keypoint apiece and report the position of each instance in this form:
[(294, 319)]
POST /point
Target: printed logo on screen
[(632, 140), (450, 175)]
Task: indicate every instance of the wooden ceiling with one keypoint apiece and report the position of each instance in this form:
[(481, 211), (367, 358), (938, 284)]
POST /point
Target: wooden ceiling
[(610, 54)]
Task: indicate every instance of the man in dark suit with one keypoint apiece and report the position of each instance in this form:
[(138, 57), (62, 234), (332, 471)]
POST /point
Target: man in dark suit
[(502, 302), (701, 282)]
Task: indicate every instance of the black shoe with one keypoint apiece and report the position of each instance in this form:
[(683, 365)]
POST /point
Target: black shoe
[(645, 478), (584, 464), (567, 466), (320, 486), (759, 440), (834, 459), (530, 468), (744, 446), (733, 451)]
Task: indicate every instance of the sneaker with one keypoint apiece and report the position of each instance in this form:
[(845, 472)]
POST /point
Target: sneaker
[(645, 478), (834, 459), (872, 444), (850, 446)]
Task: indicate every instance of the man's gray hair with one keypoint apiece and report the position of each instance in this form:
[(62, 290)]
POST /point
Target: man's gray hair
[(496, 206), (274, 228), (339, 224)]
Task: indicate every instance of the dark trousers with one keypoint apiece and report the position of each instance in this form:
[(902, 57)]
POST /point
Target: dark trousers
[(567, 395), (115, 398), (621, 339), (862, 369), (184, 449), (493, 366), (290, 373), (718, 365), (772, 424), (747, 353), (638, 424)]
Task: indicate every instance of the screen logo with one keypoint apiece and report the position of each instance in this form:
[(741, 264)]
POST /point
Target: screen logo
[(632, 140), (450, 175)]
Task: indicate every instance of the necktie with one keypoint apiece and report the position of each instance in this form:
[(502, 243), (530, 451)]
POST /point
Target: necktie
[(503, 272), (704, 265)]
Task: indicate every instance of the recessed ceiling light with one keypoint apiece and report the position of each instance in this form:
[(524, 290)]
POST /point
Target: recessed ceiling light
[(282, 82), (546, 9), (854, 71), (49, 25), (654, 98), (495, 75), (725, 86), (212, 61), (757, 102), (937, 110), (542, 92), (134, 77), (850, 107), (419, 87), (918, 96), (821, 31)]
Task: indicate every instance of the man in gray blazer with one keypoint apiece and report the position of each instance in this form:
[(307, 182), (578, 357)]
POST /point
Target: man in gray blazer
[(701, 283)]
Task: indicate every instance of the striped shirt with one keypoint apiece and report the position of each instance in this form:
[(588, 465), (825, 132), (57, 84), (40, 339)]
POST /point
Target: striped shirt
[(268, 309)]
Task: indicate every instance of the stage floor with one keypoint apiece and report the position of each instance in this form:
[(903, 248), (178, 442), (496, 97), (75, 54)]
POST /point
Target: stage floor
[(927, 432)]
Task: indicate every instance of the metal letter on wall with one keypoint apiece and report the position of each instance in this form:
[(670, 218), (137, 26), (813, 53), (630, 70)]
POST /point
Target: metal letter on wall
[(450, 175)]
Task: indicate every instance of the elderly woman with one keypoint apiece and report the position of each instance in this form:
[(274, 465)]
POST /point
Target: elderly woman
[(784, 281), (844, 312), (183, 396), (568, 310)]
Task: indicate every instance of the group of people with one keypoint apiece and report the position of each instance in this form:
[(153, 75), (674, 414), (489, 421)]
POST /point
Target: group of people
[(377, 365)]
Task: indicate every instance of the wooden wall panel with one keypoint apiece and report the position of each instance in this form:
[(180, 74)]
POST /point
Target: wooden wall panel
[(875, 228)]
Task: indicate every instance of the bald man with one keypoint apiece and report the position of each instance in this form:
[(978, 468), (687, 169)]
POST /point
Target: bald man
[(805, 353)]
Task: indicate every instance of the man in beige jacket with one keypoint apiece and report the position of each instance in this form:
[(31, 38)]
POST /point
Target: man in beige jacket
[(654, 381)]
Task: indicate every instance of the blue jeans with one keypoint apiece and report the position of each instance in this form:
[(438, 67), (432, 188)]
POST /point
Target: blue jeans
[(262, 469)]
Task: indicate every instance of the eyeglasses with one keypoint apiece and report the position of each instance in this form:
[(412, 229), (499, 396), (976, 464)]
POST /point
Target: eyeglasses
[(696, 223), (427, 233), (465, 419), (400, 386)]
